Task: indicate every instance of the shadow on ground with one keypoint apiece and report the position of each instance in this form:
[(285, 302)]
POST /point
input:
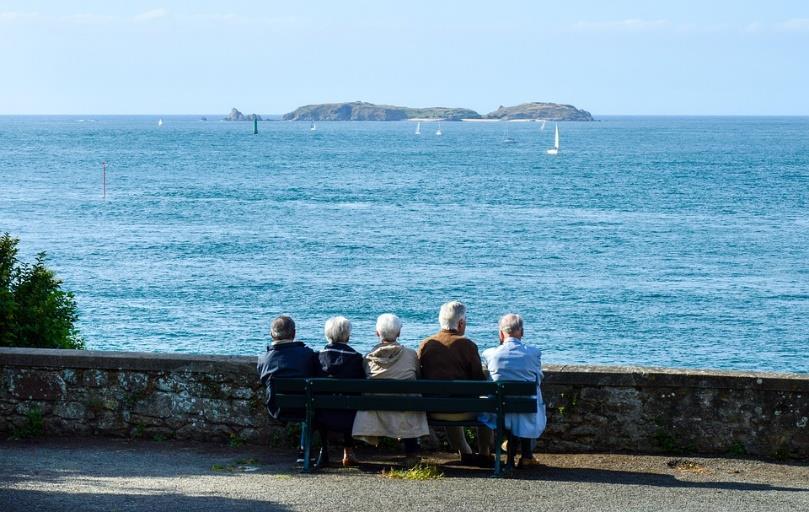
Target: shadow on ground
[(14, 500)]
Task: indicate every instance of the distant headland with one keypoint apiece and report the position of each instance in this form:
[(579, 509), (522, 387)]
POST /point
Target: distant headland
[(235, 115), (362, 111)]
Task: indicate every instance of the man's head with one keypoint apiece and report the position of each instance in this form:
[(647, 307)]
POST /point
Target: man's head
[(337, 329), (452, 316), (388, 327), (282, 328), (510, 327)]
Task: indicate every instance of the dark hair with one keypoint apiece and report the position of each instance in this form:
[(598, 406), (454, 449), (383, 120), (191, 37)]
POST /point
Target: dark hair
[(282, 328)]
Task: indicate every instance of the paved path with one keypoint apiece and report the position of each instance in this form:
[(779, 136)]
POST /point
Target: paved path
[(90, 475)]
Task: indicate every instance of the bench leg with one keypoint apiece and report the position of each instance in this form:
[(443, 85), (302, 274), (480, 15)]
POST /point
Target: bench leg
[(498, 434), (307, 446)]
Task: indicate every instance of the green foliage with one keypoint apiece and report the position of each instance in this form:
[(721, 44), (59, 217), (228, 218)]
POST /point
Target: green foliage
[(667, 441), (737, 449), (417, 472), (138, 431), (33, 426), (34, 310), (234, 441)]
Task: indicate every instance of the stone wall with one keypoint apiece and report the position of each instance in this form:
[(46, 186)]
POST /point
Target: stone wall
[(218, 398)]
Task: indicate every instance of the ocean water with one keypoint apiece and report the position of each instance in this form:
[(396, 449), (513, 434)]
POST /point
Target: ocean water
[(678, 242)]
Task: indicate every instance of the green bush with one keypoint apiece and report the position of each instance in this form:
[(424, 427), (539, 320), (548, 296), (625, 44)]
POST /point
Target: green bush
[(34, 310)]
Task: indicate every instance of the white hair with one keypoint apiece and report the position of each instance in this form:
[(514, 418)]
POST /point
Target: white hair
[(389, 326), (337, 329), (511, 323), (451, 314)]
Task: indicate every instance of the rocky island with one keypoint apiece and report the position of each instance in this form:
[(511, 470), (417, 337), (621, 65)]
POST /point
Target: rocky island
[(537, 110), (362, 111), (235, 115)]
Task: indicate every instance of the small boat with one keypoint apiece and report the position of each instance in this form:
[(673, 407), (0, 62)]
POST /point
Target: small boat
[(507, 139), (160, 122), (438, 131), (555, 149), (418, 128), (313, 128)]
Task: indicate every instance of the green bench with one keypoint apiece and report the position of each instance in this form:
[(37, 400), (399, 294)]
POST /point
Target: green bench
[(397, 395)]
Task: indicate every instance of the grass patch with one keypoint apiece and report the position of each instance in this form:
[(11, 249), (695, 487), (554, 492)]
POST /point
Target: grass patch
[(241, 465), (686, 465), (417, 472), (34, 426)]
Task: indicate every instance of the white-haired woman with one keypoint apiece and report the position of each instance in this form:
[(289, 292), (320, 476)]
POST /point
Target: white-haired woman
[(339, 361), (390, 360)]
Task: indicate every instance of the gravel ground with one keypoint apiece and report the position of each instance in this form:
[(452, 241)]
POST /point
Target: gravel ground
[(108, 475)]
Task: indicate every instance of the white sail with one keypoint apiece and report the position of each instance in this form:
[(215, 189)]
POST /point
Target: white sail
[(542, 128), (555, 149), (313, 127), (418, 128), (438, 131), (160, 122)]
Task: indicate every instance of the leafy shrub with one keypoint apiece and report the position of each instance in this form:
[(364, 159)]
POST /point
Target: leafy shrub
[(34, 310)]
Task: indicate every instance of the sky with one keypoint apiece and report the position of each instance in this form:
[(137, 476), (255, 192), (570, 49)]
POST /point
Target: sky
[(680, 57)]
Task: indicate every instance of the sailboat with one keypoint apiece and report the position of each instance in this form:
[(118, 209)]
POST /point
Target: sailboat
[(542, 128), (438, 131), (160, 122), (507, 139), (313, 128), (555, 149), (418, 128)]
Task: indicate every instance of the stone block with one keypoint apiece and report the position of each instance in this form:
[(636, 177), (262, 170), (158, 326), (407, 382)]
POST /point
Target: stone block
[(95, 378), (70, 410), (70, 376), (39, 385)]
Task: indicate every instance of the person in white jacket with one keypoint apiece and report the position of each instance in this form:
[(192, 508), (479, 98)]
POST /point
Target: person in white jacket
[(391, 360), (515, 360)]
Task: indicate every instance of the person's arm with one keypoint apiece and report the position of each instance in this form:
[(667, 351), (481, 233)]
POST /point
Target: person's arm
[(474, 364)]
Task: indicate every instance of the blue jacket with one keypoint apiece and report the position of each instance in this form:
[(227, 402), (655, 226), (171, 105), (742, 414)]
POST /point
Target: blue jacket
[(286, 360), (340, 361), (515, 360)]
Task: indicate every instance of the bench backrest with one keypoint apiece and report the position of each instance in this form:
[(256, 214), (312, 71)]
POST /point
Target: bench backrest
[(406, 395)]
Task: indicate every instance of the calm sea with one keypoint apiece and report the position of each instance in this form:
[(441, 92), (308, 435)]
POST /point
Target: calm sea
[(648, 241)]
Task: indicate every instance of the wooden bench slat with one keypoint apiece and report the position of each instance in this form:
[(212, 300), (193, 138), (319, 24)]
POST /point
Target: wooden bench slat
[(407, 403), (436, 387)]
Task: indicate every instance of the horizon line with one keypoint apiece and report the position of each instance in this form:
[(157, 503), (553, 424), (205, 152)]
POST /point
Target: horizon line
[(280, 115)]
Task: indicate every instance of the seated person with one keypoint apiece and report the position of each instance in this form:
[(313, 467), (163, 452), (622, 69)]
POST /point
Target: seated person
[(339, 361), (514, 360), (391, 360), (449, 355), (285, 358)]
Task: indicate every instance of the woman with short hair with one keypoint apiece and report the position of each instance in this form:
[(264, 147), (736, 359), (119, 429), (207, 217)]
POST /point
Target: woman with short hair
[(339, 361), (390, 360)]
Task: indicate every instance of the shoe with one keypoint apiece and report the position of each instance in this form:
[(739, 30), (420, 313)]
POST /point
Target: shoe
[(322, 459), (300, 458), (526, 463), (350, 462)]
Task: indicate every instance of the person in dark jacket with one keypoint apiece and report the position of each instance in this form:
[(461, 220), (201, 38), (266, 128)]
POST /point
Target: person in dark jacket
[(339, 361), (285, 358)]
